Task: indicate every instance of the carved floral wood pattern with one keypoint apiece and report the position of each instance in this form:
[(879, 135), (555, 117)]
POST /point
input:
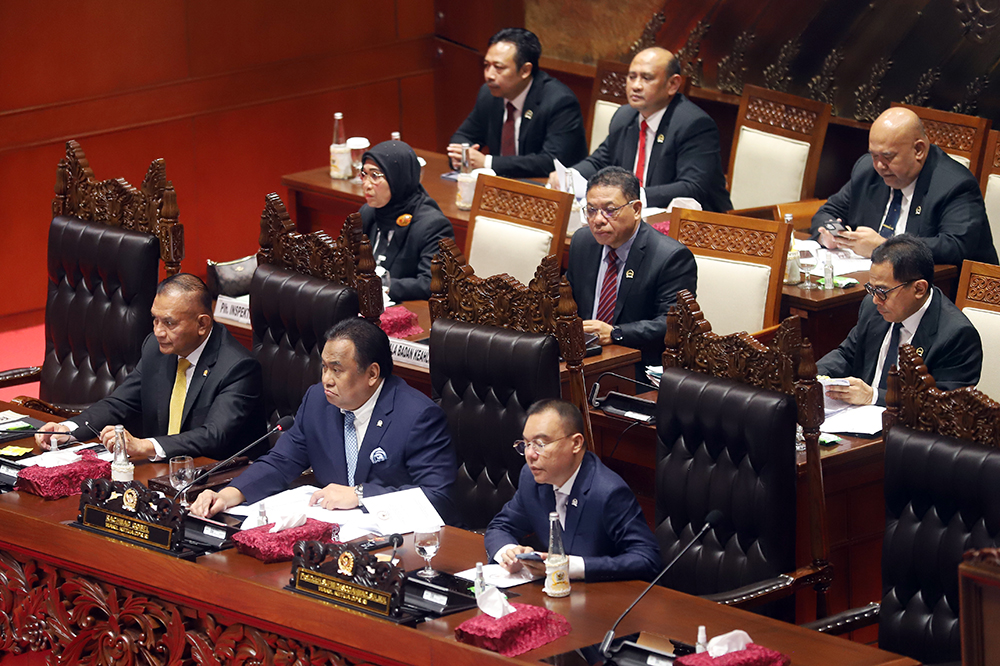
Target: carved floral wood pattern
[(716, 236), (151, 209), (984, 289), (949, 135), (519, 206), (87, 621), (347, 260), (613, 85), (785, 116), (913, 400)]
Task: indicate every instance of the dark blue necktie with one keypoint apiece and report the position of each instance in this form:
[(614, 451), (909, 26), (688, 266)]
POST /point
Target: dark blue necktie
[(891, 354), (888, 228)]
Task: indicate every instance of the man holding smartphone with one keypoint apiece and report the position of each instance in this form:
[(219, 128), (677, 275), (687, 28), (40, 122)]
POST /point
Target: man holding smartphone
[(604, 532)]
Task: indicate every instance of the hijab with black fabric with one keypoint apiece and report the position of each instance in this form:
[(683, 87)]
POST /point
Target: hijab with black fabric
[(407, 244)]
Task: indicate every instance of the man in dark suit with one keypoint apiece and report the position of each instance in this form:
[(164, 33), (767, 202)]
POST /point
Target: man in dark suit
[(522, 115), (904, 307), (679, 154), (363, 431), (196, 390), (604, 532), (907, 185), (641, 283)]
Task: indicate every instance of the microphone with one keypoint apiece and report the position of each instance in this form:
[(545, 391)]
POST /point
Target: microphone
[(396, 540), (283, 424), (628, 379), (592, 398), (711, 520)]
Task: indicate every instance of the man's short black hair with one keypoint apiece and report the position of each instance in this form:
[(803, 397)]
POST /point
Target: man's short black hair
[(529, 49), (569, 415), (909, 256), (615, 176), (188, 284), (371, 344), (673, 65)]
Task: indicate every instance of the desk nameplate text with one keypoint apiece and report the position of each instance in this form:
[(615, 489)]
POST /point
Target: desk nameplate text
[(127, 527)]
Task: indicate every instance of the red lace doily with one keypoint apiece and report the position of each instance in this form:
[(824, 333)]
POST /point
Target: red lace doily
[(65, 480), (398, 322), (260, 543), (752, 655), (526, 629)]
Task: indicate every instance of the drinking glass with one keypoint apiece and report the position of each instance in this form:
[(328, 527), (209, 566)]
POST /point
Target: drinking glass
[(426, 545), (181, 473), (808, 260), (358, 146)]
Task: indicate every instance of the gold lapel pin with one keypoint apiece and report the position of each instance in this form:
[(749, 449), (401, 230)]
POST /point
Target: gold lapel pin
[(205, 374), (629, 274), (659, 139), (920, 350), (917, 211), (528, 114), (379, 424), (573, 502)]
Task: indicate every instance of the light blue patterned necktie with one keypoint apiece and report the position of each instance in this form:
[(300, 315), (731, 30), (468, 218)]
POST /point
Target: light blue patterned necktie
[(350, 446)]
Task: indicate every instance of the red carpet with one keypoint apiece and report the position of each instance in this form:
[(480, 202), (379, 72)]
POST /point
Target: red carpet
[(21, 347)]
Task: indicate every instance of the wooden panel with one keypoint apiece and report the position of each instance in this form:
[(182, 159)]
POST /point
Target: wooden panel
[(418, 117), (457, 78), (473, 23)]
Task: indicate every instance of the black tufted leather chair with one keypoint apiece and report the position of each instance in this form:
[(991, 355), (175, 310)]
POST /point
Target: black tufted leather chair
[(485, 378), (727, 446), (290, 313)]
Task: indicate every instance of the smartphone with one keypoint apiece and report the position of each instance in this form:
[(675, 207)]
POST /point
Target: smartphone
[(835, 227), (533, 556)]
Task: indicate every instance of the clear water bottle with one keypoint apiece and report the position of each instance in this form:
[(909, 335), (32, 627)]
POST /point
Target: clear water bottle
[(556, 564), (828, 277), (479, 585), (340, 154), (121, 468)]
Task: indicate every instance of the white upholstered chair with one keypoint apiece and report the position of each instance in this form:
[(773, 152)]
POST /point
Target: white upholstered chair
[(989, 183), (979, 298), (777, 144), (513, 224), (607, 94), (741, 266)]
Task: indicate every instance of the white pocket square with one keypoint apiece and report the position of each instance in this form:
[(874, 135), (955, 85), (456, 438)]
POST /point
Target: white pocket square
[(378, 455)]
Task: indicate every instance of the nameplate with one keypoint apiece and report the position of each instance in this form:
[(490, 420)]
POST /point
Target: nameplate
[(341, 591), (413, 353), (127, 528), (233, 309)]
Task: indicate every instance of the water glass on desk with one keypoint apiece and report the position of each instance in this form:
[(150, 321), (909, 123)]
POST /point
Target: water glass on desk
[(808, 260), (181, 473), (426, 543)]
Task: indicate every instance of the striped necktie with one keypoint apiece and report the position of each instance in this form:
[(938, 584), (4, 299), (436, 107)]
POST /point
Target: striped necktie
[(609, 290)]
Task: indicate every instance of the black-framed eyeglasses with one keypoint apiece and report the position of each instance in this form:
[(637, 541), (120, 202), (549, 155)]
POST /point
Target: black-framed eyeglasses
[(881, 293), (608, 213), (374, 174), (522, 446)]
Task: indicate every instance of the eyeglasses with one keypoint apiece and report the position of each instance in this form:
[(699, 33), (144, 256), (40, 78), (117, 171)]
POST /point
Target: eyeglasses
[(881, 293), (522, 446), (375, 175), (608, 213)]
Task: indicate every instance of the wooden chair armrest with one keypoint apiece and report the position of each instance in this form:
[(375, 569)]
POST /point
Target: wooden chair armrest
[(18, 376), (62, 411), (849, 620), (773, 589), (766, 336)]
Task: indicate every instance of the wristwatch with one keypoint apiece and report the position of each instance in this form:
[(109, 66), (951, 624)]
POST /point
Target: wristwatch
[(616, 335), (359, 490)]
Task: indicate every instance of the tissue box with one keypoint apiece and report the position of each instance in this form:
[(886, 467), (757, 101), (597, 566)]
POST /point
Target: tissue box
[(277, 547), (63, 481), (398, 322), (525, 629), (752, 655)]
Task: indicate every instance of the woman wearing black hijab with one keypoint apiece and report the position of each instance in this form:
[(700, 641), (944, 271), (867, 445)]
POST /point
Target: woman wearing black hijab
[(400, 219)]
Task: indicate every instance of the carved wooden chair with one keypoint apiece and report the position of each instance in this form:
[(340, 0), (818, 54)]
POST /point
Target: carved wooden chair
[(495, 347), (979, 298), (942, 495), (513, 225), (740, 260), (303, 285), (105, 243), (726, 429), (989, 183), (961, 136), (607, 94), (777, 144)]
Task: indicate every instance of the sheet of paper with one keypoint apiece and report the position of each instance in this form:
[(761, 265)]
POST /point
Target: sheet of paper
[(66, 456), (860, 419), (403, 511), (832, 405), (10, 415), (844, 262), (14, 425), (353, 522), (496, 575)]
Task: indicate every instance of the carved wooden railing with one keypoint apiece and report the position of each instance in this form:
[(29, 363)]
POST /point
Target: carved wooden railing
[(545, 305), (347, 260), (913, 400), (786, 365), (151, 209)]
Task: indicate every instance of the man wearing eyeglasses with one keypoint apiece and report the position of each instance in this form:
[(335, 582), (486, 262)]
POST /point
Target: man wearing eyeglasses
[(604, 532), (625, 275), (904, 307)]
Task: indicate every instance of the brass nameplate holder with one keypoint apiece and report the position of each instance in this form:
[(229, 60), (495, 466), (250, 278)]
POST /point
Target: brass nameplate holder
[(342, 574), (129, 511)]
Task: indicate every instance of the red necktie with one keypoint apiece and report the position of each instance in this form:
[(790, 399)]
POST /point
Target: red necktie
[(640, 164), (609, 290), (507, 138)]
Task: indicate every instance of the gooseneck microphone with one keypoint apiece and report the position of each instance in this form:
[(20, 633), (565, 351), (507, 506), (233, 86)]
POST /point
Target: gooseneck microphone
[(396, 540), (711, 520), (283, 424)]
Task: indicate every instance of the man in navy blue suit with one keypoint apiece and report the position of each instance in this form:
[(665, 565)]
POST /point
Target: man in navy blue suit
[(604, 532), (363, 431)]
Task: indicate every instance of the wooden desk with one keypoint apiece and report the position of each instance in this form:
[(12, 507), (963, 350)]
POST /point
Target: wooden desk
[(87, 594), (828, 316)]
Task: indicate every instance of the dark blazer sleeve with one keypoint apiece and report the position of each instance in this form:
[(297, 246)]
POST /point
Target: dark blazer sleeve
[(514, 521), (638, 554), (962, 230), (609, 152), (961, 361), (412, 263), (698, 165)]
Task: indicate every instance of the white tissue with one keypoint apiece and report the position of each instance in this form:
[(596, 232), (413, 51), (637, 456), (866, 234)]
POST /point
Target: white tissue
[(493, 602), (287, 522), (732, 642), (683, 202)]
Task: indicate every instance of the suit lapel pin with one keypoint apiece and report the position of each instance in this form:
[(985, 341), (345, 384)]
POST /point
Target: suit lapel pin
[(920, 351), (659, 138), (574, 502), (629, 274), (528, 114), (917, 211), (205, 373), (379, 424)]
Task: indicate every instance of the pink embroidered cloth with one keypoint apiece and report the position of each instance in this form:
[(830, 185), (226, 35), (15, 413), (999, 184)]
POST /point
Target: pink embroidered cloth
[(751, 655), (63, 481), (398, 322), (260, 543), (526, 629)]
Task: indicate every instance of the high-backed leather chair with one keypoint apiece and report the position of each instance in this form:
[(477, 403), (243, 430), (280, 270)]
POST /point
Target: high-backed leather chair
[(726, 420), (942, 497), (105, 243), (303, 285), (495, 348)]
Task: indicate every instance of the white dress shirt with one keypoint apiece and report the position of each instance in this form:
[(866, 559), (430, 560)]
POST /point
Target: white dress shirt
[(363, 414), (910, 325), (652, 123)]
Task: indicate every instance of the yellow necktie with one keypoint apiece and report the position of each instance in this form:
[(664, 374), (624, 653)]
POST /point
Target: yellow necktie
[(177, 397)]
